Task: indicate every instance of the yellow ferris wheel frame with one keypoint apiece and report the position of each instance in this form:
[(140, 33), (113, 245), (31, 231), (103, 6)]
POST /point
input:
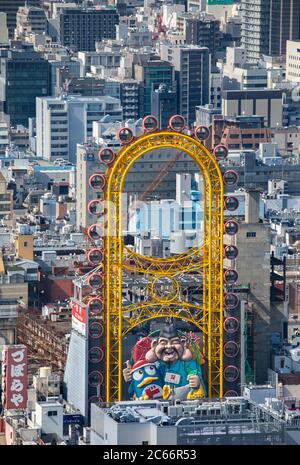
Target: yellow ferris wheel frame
[(207, 261)]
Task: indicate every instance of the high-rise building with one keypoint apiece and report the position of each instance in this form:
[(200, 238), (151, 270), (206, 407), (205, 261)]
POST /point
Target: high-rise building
[(253, 243), (192, 69), (284, 24), (83, 380), (81, 28), (255, 28), (163, 104), (267, 25), (24, 75), (10, 7), (63, 122), (151, 73), (128, 91), (201, 29), (30, 19), (292, 60)]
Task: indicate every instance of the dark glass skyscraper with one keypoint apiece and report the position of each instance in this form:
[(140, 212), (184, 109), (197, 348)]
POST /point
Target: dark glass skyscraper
[(24, 75)]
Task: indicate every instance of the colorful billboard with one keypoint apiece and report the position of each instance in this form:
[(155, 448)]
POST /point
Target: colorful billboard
[(14, 376)]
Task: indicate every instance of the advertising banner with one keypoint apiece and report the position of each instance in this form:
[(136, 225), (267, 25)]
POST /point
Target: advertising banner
[(79, 318), (14, 376)]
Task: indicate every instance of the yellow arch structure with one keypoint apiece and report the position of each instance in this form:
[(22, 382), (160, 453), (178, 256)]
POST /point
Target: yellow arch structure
[(206, 260)]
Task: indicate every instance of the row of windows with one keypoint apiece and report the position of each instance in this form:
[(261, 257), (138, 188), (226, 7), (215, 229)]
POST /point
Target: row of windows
[(56, 130), (247, 136), (245, 146), (295, 74)]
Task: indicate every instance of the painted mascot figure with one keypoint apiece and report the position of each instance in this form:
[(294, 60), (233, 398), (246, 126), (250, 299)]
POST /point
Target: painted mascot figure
[(167, 367)]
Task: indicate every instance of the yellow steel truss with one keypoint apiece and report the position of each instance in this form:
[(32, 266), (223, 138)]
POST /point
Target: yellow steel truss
[(207, 260)]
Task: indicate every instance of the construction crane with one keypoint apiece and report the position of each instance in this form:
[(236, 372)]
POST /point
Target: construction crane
[(161, 175), (157, 180)]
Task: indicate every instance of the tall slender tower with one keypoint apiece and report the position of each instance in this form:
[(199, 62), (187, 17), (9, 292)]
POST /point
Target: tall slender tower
[(255, 28), (267, 25)]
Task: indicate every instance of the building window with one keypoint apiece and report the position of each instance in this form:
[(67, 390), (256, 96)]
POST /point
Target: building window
[(25, 244), (251, 234), (52, 413)]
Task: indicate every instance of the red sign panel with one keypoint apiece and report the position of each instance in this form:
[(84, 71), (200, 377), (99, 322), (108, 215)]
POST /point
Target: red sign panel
[(78, 318), (14, 376), (78, 312)]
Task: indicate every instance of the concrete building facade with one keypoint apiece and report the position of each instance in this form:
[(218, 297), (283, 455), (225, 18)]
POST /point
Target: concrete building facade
[(151, 74), (10, 7), (63, 122), (293, 60), (81, 28), (253, 267), (266, 103), (30, 20), (192, 69), (255, 28), (6, 200)]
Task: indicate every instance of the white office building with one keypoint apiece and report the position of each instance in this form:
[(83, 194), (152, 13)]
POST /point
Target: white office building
[(293, 60), (63, 122)]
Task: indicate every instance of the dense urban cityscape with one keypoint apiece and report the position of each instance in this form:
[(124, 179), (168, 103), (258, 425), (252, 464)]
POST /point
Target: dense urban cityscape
[(150, 223)]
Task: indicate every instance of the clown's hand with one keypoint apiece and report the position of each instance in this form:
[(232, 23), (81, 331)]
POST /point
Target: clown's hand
[(166, 392), (194, 381), (127, 372)]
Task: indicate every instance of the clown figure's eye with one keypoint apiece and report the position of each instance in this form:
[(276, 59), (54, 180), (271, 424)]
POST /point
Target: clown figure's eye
[(150, 370), (137, 375)]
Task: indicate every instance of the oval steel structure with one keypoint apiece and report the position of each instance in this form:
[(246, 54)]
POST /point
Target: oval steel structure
[(206, 259)]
